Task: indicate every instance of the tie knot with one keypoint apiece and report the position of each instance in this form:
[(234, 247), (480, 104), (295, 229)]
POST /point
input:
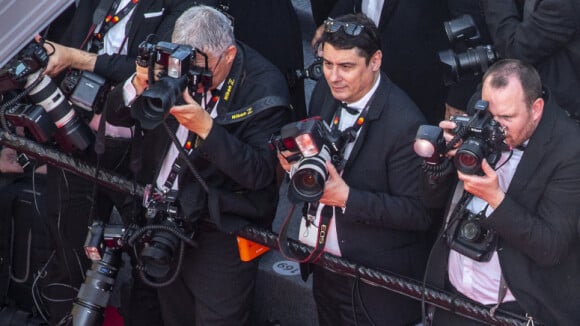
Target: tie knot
[(349, 109)]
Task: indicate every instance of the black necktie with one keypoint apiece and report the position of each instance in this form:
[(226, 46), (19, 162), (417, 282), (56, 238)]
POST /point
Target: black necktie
[(348, 109)]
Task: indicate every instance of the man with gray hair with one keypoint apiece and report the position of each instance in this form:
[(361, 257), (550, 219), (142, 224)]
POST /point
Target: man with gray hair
[(223, 123)]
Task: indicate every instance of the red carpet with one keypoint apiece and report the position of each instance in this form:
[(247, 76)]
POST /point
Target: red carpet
[(112, 317)]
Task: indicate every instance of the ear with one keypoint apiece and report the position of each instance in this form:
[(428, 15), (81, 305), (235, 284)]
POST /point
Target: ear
[(376, 60), (230, 53), (537, 109)]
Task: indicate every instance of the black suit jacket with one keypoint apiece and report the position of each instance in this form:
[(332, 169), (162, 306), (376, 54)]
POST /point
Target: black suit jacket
[(384, 221), (538, 249), (546, 34), (234, 160), (150, 17), (411, 34)]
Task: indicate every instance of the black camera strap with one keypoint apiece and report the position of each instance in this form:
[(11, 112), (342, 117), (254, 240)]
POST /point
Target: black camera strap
[(258, 106), (323, 227), (179, 164)]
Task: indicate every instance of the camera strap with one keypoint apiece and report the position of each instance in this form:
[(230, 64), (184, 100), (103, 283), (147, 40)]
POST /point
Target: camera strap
[(111, 19), (322, 227), (179, 164), (260, 105)]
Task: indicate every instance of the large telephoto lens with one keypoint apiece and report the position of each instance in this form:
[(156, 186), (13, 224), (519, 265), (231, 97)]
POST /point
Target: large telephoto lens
[(52, 100), (307, 183), (95, 292)]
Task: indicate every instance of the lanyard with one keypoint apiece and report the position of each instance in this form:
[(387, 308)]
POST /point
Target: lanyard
[(111, 19)]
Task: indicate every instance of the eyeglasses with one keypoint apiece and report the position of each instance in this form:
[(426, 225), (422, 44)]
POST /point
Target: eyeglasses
[(333, 26)]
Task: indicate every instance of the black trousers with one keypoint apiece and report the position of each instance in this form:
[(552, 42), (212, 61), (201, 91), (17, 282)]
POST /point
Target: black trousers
[(214, 288), (343, 300)]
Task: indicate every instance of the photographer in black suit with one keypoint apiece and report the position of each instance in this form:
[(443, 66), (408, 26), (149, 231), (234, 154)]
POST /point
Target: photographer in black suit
[(515, 246), (230, 152), (370, 209)]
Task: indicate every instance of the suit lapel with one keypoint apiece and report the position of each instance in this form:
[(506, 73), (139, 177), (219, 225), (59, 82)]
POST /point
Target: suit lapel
[(379, 103), (536, 151), (138, 16)]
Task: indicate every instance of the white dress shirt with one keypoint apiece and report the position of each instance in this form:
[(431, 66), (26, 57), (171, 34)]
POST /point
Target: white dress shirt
[(480, 281)]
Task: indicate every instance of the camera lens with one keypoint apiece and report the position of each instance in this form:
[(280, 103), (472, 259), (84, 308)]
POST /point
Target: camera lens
[(152, 107), (469, 156), (470, 231), (70, 127), (95, 292), (157, 256), (307, 183)]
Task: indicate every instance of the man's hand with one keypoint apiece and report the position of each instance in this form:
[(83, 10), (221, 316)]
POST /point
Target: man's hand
[(317, 36), (283, 158), (335, 190), (485, 187), (62, 57), (9, 161), (447, 127), (193, 116), (141, 79)]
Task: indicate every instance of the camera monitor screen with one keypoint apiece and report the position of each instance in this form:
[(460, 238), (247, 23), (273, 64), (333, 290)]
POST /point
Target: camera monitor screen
[(21, 20)]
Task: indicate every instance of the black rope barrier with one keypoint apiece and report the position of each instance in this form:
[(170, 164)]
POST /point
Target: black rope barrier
[(404, 286), (59, 159)]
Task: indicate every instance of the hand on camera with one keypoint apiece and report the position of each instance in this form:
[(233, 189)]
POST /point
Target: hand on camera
[(287, 159), (448, 127), (62, 57), (141, 79), (335, 189), (485, 187), (192, 116), (59, 59)]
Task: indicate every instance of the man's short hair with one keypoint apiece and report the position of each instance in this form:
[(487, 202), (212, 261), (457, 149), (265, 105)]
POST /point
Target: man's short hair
[(500, 73), (204, 28), (367, 41)]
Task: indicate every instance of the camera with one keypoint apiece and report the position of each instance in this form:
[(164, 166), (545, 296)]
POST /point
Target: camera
[(469, 238), (482, 138), (317, 143), (474, 61), (152, 107), (312, 71), (165, 230), (24, 72)]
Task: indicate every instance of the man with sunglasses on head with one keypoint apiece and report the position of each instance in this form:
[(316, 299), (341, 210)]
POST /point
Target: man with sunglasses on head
[(222, 124), (411, 33), (377, 219)]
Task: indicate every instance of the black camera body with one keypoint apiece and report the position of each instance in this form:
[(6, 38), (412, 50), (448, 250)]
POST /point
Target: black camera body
[(476, 59), (466, 236), (34, 119), (482, 139), (15, 73), (178, 60), (317, 144)]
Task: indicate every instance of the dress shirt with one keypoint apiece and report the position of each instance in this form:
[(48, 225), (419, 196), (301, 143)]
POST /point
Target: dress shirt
[(480, 281)]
